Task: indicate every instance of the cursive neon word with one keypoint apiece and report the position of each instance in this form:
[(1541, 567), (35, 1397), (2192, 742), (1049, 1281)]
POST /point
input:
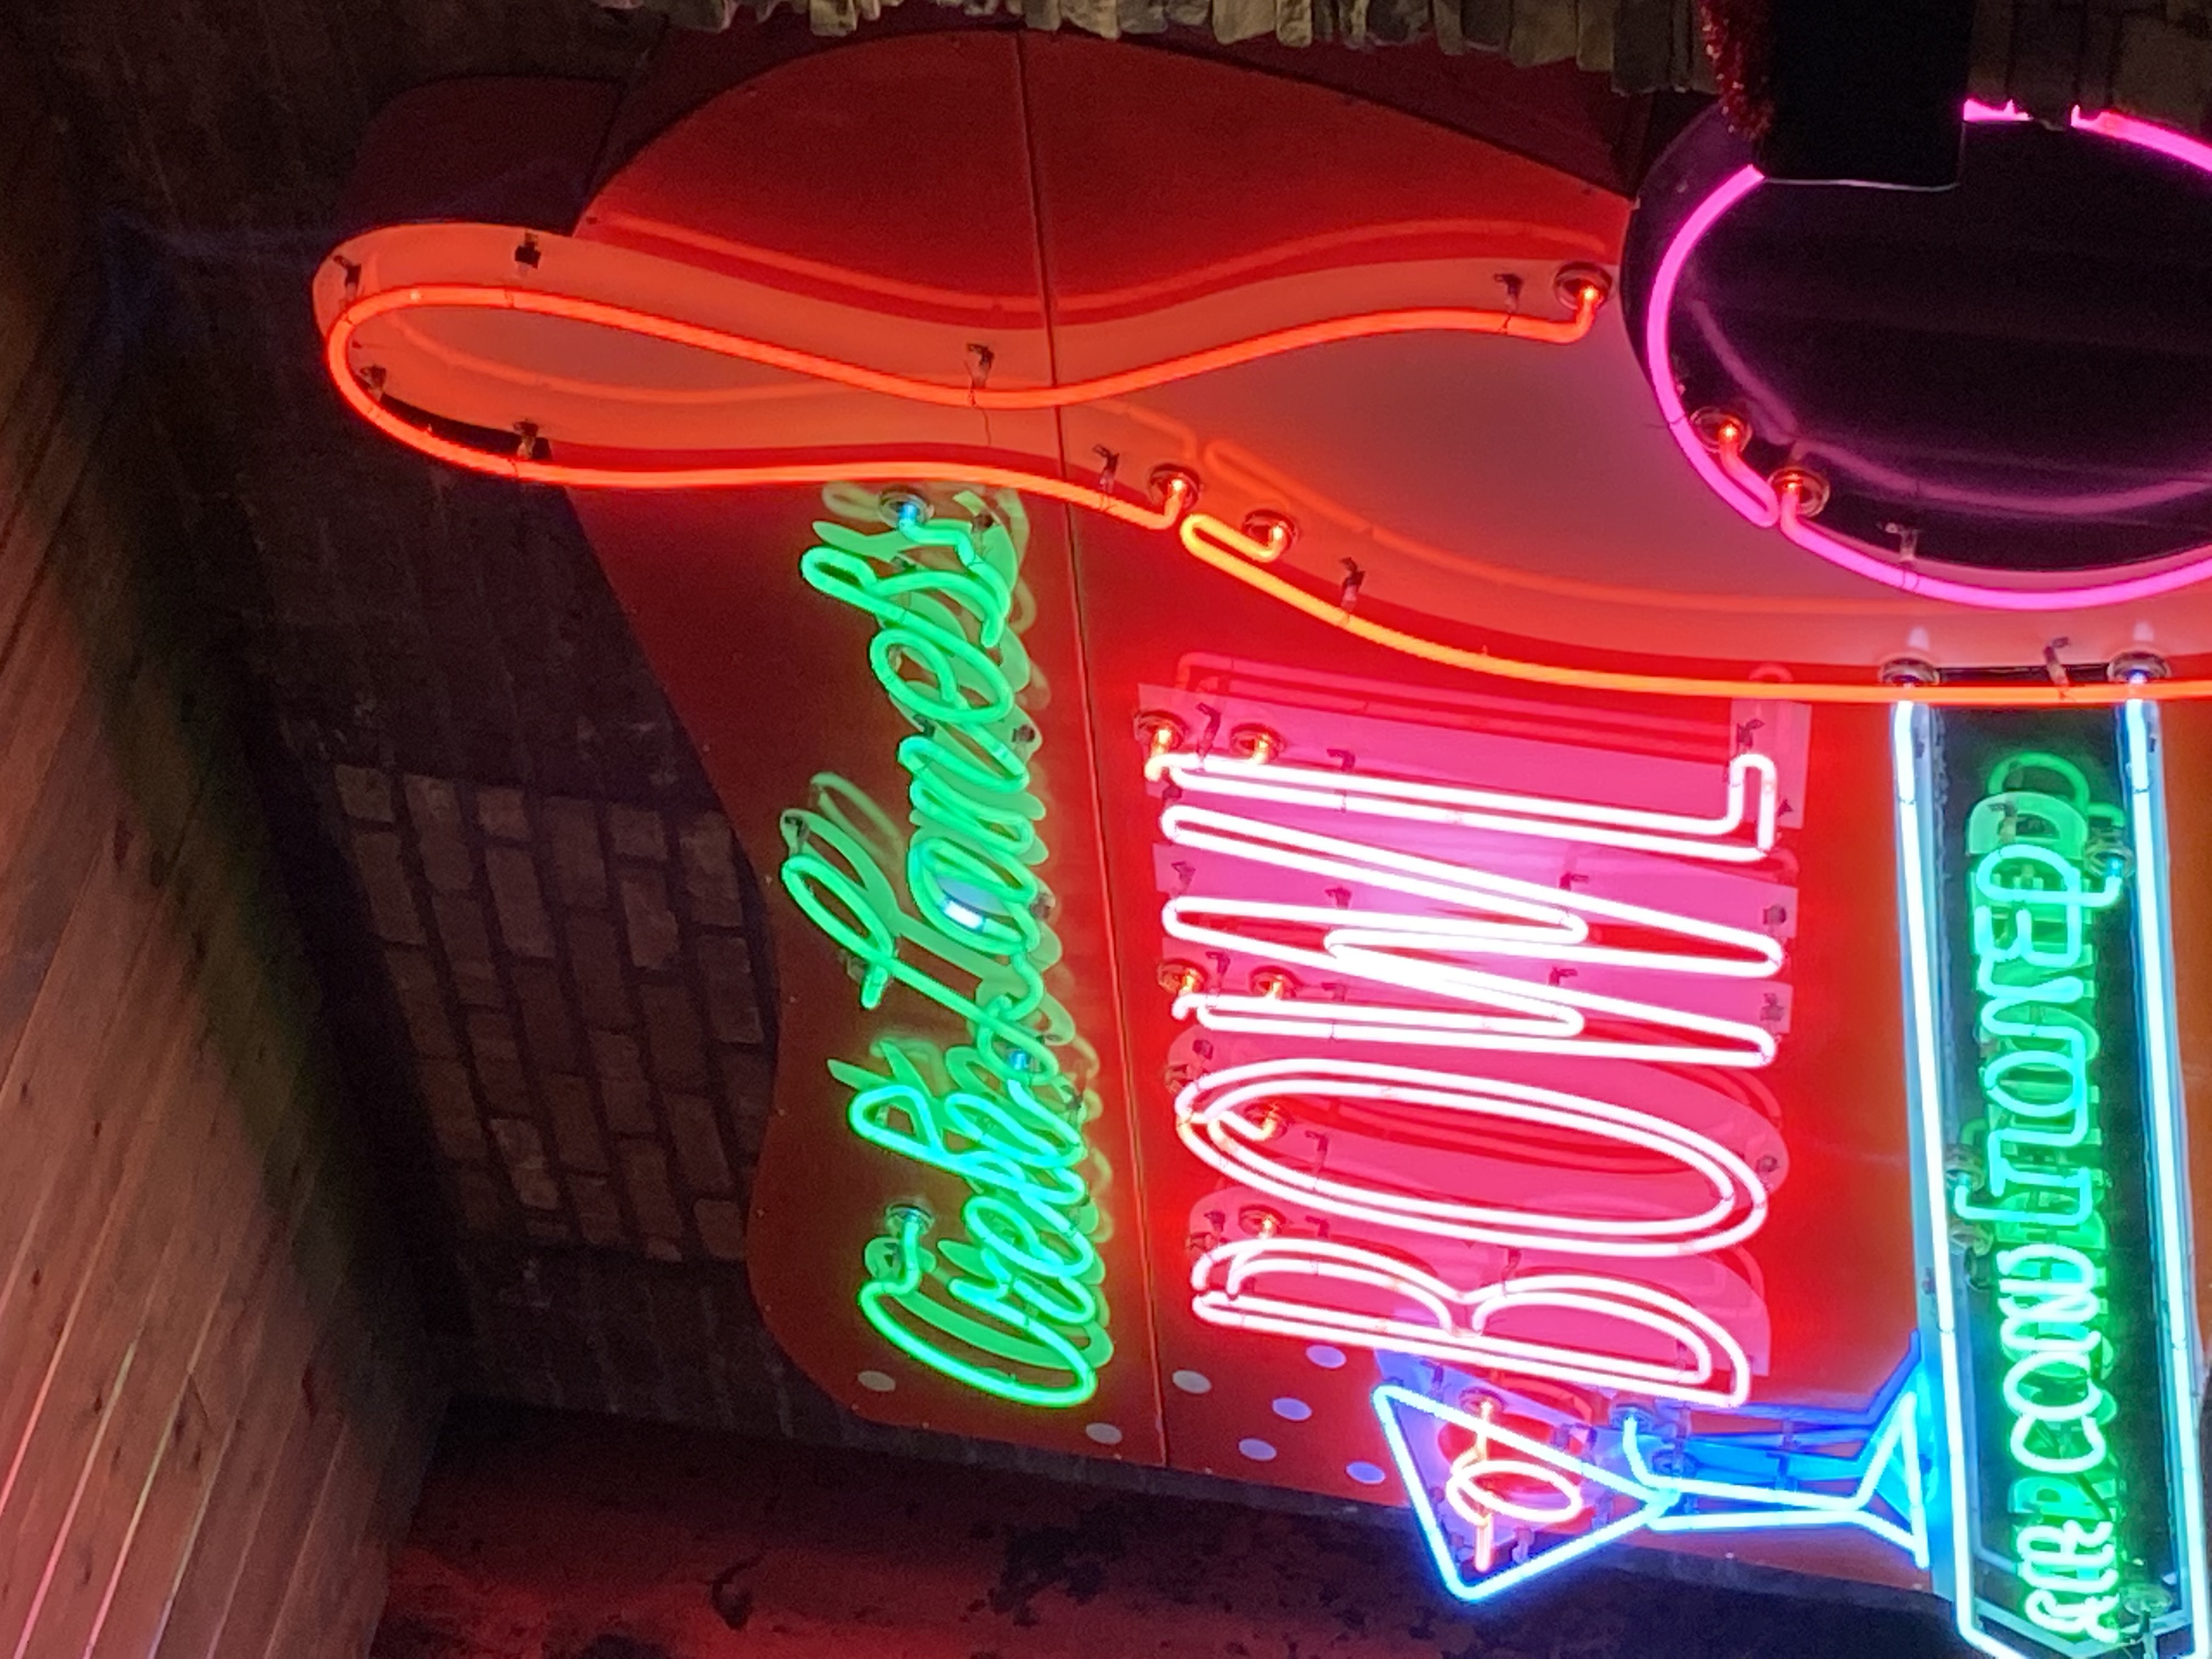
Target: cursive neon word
[(1235, 1120), (1012, 1306), (2039, 874), (1483, 915), (1301, 1287), (1022, 1287)]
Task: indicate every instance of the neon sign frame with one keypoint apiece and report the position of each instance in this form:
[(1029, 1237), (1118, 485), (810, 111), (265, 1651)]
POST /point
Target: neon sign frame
[(2055, 1558)]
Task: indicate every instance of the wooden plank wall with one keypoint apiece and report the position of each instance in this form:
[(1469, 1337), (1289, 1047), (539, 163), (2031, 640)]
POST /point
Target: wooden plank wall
[(214, 1400)]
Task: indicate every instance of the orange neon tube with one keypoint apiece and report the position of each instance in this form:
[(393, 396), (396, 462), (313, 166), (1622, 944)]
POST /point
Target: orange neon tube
[(1588, 294), (1176, 494), (1208, 539)]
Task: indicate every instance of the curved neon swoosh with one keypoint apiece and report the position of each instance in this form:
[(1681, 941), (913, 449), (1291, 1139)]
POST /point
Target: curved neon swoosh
[(721, 343), (1206, 539), (1222, 548), (1752, 497)]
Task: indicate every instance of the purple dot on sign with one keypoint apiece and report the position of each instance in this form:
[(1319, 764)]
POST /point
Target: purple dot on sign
[(1192, 1381), (1365, 1473), (1326, 1357), (1292, 1411), (1257, 1449), (877, 1381)]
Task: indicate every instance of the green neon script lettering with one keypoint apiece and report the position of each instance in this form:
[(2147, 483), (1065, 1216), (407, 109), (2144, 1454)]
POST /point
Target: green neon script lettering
[(2033, 888), (952, 907)]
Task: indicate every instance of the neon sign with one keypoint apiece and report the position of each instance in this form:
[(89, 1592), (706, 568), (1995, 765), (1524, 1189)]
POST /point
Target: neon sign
[(1782, 502), (2049, 1123), (952, 909), (1506, 1489), (1444, 920), (1239, 1118), (1474, 1072)]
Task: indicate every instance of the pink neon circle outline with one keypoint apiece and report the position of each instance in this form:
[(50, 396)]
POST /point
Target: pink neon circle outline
[(2193, 564)]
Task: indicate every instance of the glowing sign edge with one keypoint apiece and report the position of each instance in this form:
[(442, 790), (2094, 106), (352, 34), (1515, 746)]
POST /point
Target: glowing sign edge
[(1915, 837), (2169, 1151)]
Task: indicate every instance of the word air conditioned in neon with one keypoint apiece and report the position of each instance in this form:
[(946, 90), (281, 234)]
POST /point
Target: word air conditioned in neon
[(2045, 861)]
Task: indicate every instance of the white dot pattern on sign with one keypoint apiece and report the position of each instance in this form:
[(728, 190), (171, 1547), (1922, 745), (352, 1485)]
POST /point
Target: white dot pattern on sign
[(1366, 1474), (1326, 1357), (1292, 1410), (1104, 1433), (1257, 1449), (1192, 1382), (878, 1382)]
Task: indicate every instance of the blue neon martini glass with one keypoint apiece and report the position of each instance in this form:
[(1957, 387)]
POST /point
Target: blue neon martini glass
[(1507, 1489)]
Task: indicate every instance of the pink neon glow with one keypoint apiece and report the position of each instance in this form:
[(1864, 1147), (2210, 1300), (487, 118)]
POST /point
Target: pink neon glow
[(1657, 350), (1230, 1118), (1489, 916), (1762, 506), (1591, 824), (1468, 1491), (1728, 452), (1299, 1287)]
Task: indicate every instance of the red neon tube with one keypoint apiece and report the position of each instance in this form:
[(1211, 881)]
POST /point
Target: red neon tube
[(1206, 539)]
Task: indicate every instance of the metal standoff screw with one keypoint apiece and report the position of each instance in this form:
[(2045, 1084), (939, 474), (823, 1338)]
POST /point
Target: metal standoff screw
[(1175, 483), (1183, 978), (1256, 742), (2137, 664), (900, 505), (1260, 1221), (1716, 427), (1161, 732), (1910, 671), (1271, 529), (1808, 487), (1581, 284)]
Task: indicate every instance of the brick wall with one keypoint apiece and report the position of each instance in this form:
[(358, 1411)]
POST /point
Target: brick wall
[(537, 943), (576, 983), (216, 1401)]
